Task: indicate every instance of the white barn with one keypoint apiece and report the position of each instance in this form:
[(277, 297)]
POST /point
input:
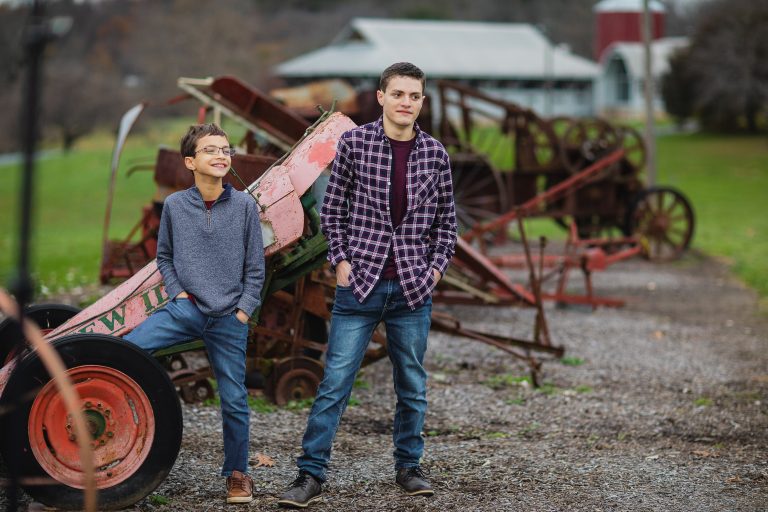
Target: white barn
[(621, 82), (513, 61)]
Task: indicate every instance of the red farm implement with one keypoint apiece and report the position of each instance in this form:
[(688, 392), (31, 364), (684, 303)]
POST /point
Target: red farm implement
[(128, 398)]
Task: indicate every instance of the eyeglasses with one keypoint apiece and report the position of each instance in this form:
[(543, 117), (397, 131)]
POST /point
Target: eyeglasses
[(214, 150)]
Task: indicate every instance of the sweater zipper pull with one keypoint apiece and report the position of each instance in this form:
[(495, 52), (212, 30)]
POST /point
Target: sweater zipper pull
[(208, 214)]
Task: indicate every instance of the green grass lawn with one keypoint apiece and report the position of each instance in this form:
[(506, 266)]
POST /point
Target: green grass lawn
[(725, 177)]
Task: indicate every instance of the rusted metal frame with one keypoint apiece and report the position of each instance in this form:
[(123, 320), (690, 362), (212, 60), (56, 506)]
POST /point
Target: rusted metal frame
[(290, 338), (126, 123), (451, 325), (469, 257), (297, 314), (541, 330), (553, 193), (191, 86), (190, 375), (474, 93), (503, 344)]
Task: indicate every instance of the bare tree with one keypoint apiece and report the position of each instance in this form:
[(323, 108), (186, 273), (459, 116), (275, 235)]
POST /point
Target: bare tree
[(729, 62)]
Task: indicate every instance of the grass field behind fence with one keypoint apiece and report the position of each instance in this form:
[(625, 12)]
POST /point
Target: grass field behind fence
[(725, 177)]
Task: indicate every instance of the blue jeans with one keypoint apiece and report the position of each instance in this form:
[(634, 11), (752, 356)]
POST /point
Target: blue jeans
[(225, 340), (352, 326)]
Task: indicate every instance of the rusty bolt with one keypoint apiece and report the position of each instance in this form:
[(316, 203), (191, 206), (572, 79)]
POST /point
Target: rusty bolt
[(99, 406), (88, 405), (107, 412), (102, 442), (109, 473), (72, 437), (69, 427)]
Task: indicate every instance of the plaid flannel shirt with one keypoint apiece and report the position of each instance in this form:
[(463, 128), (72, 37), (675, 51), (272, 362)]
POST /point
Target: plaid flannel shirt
[(356, 219)]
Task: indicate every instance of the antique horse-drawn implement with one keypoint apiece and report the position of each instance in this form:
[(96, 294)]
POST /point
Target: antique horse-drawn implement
[(504, 155), (130, 403), (585, 174)]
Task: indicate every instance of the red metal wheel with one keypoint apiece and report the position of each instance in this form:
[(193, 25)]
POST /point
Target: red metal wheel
[(144, 420), (119, 418), (294, 378), (664, 221)]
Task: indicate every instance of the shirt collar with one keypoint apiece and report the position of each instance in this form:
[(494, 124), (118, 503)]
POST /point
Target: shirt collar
[(378, 126), (224, 195)]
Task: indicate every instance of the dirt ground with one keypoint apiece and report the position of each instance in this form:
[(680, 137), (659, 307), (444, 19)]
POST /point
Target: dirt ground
[(661, 406)]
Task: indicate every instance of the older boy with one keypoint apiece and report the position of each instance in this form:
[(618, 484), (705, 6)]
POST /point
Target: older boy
[(211, 257), (389, 218)]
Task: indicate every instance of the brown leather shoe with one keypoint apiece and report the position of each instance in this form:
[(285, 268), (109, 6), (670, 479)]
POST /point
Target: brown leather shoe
[(239, 488)]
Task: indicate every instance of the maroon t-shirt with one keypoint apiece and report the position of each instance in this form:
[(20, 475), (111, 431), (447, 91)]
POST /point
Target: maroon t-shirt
[(398, 195)]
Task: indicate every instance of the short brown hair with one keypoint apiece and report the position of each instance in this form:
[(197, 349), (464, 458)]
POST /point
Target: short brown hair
[(197, 132), (401, 69)]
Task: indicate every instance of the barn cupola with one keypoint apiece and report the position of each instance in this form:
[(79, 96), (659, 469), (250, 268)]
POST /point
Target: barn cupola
[(621, 21)]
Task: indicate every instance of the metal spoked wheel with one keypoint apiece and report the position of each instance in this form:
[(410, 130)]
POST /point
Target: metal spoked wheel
[(634, 148), (294, 378), (664, 221), (46, 316), (537, 144), (131, 410), (192, 388), (479, 190), (586, 141)]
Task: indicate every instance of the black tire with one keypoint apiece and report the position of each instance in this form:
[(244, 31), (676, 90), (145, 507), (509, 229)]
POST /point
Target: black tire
[(46, 316), (30, 376)]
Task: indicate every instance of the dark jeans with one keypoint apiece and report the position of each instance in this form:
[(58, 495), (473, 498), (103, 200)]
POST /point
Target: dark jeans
[(225, 340), (352, 326)]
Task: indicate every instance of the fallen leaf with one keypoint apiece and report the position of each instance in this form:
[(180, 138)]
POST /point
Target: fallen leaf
[(658, 334), (652, 457), (733, 479), (262, 460)]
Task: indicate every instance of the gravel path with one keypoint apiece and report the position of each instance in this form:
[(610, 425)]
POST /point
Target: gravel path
[(663, 407)]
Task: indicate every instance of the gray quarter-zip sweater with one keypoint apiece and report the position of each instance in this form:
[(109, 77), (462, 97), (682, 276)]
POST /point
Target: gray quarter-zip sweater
[(217, 255)]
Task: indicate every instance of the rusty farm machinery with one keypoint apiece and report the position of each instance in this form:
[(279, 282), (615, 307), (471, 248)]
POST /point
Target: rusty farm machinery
[(129, 399)]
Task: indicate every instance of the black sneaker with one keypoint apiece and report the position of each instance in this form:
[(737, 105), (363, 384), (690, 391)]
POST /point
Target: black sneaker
[(304, 491), (414, 481)]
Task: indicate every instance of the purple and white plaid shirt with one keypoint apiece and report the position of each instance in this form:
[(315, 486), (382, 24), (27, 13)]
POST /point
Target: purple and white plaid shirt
[(356, 219)]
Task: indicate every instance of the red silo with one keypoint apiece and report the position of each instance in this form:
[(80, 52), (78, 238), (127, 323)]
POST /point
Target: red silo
[(621, 20)]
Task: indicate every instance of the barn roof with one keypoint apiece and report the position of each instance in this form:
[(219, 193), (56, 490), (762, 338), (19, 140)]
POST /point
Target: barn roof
[(443, 49)]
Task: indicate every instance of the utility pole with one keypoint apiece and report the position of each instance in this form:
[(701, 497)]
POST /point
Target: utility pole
[(650, 127)]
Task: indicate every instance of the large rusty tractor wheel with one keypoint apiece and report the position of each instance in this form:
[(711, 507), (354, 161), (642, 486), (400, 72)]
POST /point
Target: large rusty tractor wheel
[(586, 141), (294, 379), (46, 316), (664, 221), (131, 410)]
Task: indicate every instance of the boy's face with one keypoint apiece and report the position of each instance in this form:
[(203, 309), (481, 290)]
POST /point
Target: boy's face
[(215, 165), (402, 101)]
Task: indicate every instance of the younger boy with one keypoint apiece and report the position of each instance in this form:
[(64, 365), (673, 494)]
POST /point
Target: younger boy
[(211, 257)]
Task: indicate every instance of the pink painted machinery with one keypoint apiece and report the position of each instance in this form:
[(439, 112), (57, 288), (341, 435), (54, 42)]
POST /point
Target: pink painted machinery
[(129, 398)]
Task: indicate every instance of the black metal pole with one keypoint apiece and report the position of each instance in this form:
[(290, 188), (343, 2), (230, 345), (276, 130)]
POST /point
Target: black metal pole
[(35, 38), (36, 35)]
